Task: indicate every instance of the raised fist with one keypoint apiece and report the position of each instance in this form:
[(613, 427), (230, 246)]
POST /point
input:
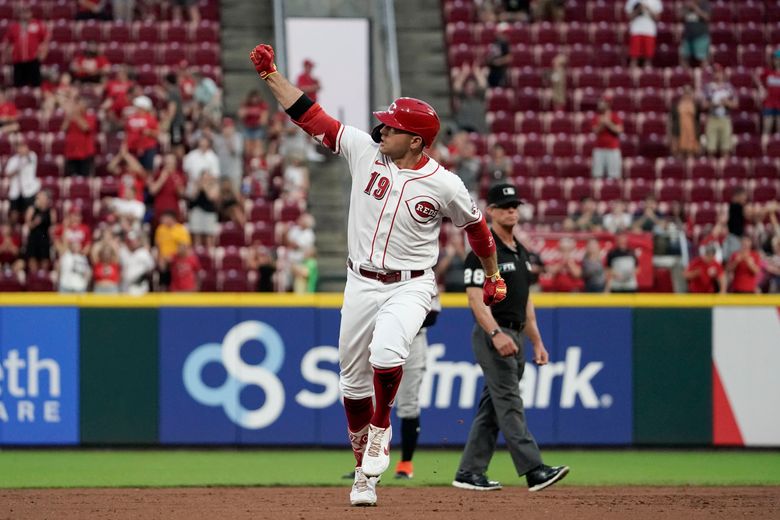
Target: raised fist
[(494, 290), (262, 58)]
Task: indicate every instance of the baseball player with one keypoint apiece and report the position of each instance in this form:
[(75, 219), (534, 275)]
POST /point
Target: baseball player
[(399, 196)]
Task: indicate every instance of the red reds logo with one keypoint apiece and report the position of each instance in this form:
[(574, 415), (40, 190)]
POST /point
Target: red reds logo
[(423, 209)]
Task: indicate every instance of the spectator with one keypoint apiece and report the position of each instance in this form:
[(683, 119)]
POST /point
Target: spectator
[(307, 82), (719, 99), (296, 177), (141, 131), (468, 85), (745, 267), (622, 267), (106, 274), (116, 98), (769, 85), (9, 115), (695, 47), (648, 218), (642, 29), (499, 58), (557, 80), (192, 11), (92, 10), (90, 66), (300, 236), (59, 94), (173, 118), (231, 207), (128, 209), (80, 127), (515, 10), (587, 217), (618, 219), (254, 115), (28, 42), (137, 265), (705, 274), (738, 215), (565, 272), (184, 270), (593, 275), (306, 273), (123, 10), (684, 125), (23, 183), (551, 10), (208, 99), (167, 188), (449, 269), (39, 219), (129, 172), (229, 147), (499, 165), (199, 160), (607, 126), (260, 259), (73, 271), (468, 167), (10, 248), (203, 222), (771, 267), (168, 236), (73, 229)]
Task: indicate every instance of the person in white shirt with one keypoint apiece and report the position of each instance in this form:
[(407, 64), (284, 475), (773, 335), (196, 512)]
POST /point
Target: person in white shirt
[(73, 269), (137, 262), (642, 29), (197, 161), (23, 184)]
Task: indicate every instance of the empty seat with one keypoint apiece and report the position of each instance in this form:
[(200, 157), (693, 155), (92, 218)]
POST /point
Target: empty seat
[(701, 191), (703, 169), (670, 191), (234, 281), (640, 168), (766, 168), (231, 235), (765, 190), (459, 32), (735, 168), (502, 122), (748, 146)]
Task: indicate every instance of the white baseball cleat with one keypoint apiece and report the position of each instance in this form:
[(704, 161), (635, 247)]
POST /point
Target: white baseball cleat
[(363, 489), (377, 456)]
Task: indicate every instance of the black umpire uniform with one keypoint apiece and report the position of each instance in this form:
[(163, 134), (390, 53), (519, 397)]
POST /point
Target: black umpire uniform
[(500, 406)]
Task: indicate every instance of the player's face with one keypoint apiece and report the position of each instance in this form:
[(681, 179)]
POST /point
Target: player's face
[(395, 142), (505, 215)]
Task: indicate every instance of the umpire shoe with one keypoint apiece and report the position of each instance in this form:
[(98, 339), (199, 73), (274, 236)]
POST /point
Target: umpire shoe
[(475, 482), (377, 456), (363, 489), (545, 476), (404, 469)]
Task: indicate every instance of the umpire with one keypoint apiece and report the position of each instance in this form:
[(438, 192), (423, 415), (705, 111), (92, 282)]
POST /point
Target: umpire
[(498, 347)]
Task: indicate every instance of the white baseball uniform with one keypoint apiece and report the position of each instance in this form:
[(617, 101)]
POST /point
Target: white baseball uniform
[(393, 232)]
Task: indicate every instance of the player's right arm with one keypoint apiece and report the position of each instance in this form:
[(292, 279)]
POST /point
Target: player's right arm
[(474, 278)]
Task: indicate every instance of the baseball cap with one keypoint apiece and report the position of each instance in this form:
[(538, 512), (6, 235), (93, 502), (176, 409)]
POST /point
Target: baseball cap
[(503, 195), (143, 103)]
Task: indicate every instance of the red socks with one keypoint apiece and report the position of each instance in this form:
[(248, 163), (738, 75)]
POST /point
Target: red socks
[(386, 381), (359, 413)]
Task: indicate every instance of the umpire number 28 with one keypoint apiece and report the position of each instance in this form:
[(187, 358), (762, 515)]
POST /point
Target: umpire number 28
[(473, 276), (381, 186)]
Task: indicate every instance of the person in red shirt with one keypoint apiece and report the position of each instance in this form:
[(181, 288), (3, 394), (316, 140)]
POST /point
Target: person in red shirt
[(167, 188), (9, 115), (705, 274), (308, 83), (116, 97), (106, 271), (745, 268), (130, 173), (80, 129), (28, 42), (566, 272), (73, 229), (607, 126), (769, 82), (184, 270), (90, 66), (92, 10), (141, 131), (254, 115)]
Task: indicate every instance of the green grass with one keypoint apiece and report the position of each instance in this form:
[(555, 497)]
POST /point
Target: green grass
[(25, 468)]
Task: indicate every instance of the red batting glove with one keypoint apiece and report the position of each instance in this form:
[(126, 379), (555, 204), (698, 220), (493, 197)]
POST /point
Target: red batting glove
[(262, 58), (494, 289)]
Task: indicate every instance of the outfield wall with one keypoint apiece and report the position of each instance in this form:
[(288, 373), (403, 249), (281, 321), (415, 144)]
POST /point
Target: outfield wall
[(262, 370)]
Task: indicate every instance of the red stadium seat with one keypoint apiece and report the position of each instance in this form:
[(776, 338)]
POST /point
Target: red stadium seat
[(207, 31), (772, 147), (40, 281), (507, 141), (289, 212), (723, 34), (620, 78), (547, 167), (148, 31), (725, 55), (176, 33), (532, 146), (527, 99), (603, 12), (609, 190), (528, 77), (589, 78), (752, 34), (62, 31), (234, 281), (580, 188), (652, 101), (652, 125), (89, 31), (62, 10), (652, 147), (651, 79), (750, 12), (263, 234), (667, 56), (604, 33), (735, 168), (576, 168), (230, 258), (704, 213), (729, 187), (765, 190), (459, 12), (721, 12), (748, 146), (608, 56), (461, 55), (459, 32), (561, 123), (502, 122), (640, 168), (9, 282), (231, 235), (546, 33), (639, 189), (499, 99), (530, 124), (752, 57), (670, 191), (703, 169), (577, 34), (208, 281), (741, 78), (672, 169), (523, 55), (701, 191)]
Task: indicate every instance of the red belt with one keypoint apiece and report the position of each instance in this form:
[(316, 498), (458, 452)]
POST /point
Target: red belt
[(386, 277)]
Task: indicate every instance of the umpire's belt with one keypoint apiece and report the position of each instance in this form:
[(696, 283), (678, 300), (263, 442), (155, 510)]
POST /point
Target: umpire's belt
[(517, 326), (386, 276)]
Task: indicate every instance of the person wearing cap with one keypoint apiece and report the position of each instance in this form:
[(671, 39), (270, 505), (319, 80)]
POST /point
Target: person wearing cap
[(607, 126), (80, 127), (720, 99), (399, 196), (768, 81), (141, 131), (307, 82), (497, 342), (705, 274)]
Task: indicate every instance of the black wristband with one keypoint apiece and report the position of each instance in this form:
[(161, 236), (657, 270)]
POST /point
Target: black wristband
[(495, 332), (301, 105)]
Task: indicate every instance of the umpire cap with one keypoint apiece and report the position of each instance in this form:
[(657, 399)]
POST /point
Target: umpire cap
[(503, 195)]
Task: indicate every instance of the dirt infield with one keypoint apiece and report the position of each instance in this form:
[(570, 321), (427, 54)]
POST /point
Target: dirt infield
[(580, 503)]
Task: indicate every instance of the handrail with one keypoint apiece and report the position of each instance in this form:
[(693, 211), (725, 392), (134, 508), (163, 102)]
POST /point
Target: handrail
[(280, 37), (391, 48)]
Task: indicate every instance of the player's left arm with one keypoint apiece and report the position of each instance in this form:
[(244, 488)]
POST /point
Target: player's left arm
[(541, 357)]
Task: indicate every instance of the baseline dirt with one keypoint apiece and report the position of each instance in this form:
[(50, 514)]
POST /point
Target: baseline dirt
[(283, 503)]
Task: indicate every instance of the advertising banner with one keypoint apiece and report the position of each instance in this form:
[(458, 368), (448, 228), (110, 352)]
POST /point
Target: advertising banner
[(39, 375), (270, 376)]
